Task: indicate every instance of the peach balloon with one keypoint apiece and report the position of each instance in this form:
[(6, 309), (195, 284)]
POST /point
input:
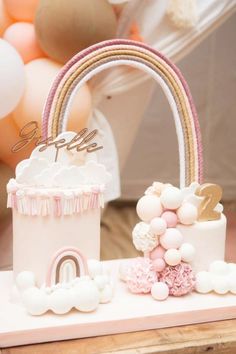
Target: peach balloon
[(21, 35), (5, 19), (23, 10), (40, 74), (9, 135)]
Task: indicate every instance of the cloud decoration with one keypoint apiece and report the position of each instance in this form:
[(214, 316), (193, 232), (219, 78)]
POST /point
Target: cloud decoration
[(69, 176), (29, 170), (221, 278), (67, 157), (46, 177), (95, 173)]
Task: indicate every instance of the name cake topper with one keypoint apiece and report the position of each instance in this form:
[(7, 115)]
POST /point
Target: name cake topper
[(80, 142)]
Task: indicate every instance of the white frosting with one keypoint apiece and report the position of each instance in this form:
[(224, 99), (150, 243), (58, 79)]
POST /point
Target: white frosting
[(143, 239), (71, 170), (83, 293), (220, 278)]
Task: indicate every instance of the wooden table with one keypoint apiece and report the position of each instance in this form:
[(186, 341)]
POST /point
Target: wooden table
[(216, 337)]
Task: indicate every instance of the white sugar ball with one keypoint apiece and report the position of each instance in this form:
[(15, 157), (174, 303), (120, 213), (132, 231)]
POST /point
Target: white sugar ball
[(86, 296), (220, 284), (203, 282), (95, 268), (25, 280), (60, 301), (219, 268), (160, 291), (172, 257), (101, 281), (148, 207), (187, 214), (232, 282), (171, 198), (158, 226), (35, 301), (106, 294), (187, 252), (172, 238)]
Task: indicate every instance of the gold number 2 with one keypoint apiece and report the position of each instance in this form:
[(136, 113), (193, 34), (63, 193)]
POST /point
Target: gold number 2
[(212, 194)]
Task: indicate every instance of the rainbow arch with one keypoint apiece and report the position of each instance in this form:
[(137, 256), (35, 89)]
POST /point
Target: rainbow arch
[(99, 57)]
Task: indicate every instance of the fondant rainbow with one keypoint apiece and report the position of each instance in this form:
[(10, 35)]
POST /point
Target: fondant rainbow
[(108, 54)]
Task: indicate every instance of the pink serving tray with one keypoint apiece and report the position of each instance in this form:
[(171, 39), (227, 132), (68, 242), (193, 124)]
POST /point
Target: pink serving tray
[(126, 313)]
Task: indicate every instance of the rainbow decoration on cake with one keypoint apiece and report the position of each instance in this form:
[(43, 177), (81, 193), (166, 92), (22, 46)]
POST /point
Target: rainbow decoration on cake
[(108, 54)]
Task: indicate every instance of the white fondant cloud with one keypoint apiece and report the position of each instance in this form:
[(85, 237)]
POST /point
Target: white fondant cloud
[(29, 169), (95, 173), (69, 177), (46, 177)]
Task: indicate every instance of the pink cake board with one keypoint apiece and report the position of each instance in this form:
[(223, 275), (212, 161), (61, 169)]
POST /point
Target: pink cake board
[(126, 313)]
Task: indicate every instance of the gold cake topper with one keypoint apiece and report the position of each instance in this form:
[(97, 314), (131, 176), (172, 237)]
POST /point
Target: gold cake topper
[(81, 141)]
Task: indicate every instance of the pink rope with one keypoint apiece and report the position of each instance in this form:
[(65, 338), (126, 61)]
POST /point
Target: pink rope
[(95, 47)]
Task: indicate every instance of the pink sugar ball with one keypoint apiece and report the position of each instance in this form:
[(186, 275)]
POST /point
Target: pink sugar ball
[(158, 252), (172, 238), (149, 207), (158, 226), (159, 264), (170, 217), (21, 35)]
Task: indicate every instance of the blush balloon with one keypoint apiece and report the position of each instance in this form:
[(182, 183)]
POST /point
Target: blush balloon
[(5, 19), (21, 35), (9, 135), (12, 78), (23, 10), (40, 74)]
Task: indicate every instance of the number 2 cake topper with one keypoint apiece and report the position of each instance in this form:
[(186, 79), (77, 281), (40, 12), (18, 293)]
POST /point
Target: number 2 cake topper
[(124, 52)]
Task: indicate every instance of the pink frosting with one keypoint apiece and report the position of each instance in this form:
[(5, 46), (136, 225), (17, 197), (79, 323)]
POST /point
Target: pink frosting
[(141, 275), (180, 279)]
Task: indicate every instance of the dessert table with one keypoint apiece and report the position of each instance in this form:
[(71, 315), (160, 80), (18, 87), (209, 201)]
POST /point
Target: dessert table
[(215, 337)]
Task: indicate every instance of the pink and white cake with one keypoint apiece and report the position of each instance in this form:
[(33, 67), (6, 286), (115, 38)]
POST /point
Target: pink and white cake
[(56, 224), (56, 205)]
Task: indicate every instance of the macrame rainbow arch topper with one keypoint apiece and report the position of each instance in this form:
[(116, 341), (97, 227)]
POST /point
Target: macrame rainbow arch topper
[(99, 57)]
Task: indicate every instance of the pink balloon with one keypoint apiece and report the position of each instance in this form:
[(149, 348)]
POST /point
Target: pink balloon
[(21, 35)]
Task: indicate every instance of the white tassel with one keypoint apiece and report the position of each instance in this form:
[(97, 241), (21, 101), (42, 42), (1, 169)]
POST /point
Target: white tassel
[(183, 13), (9, 200)]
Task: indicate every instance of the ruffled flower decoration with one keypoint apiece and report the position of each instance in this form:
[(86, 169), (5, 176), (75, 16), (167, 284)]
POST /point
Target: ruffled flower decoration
[(143, 239), (141, 276), (180, 279)]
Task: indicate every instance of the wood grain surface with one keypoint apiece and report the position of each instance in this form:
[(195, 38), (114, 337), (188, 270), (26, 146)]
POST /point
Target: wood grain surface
[(215, 337)]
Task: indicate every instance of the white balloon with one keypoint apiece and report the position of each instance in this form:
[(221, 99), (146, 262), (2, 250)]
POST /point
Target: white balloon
[(12, 76)]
